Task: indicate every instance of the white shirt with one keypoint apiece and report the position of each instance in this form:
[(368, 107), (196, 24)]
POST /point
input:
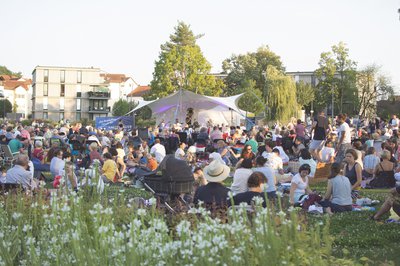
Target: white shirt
[(371, 161), (327, 153), (345, 129), (274, 161), (301, 185), (180, 154), (269, 174), (159, 152), (282, 154), (240, 178)]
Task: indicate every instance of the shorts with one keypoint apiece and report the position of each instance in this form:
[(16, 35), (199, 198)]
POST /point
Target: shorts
[(317, 144), (335, 207)]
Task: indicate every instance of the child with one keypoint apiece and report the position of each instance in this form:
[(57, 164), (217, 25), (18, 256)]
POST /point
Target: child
[(110, 170)]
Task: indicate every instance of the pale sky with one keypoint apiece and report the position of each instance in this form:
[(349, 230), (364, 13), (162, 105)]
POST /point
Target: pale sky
[(125, 36)]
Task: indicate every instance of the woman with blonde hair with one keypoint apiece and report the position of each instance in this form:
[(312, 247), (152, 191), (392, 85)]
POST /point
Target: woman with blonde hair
[(384, 172)]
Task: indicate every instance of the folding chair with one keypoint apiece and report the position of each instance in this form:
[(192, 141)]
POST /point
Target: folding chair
[(8, 155)]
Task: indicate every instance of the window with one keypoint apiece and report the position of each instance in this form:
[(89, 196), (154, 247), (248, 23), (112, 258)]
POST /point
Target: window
[(79, 76), (62, 76), (62, 90), (46, 89), (78, 91), (46, 75), (62, 103), (78, 104), (62, 116), (45, 103), (45, 115), (78, 116)]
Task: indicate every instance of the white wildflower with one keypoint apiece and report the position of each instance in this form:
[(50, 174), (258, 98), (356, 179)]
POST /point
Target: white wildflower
[(141, 212), (16, 215)]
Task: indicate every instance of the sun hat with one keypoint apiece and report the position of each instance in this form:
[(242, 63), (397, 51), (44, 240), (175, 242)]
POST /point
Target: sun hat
[(216, 172)]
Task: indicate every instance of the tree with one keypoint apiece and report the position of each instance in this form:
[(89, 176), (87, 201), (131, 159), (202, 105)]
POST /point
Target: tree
[(372, 86), (5, 71), (121, 107), (251, 100), (264, 71), (281, 95), (5, 107), (181, 64), (305, 94), (250, 66), (337, 78)]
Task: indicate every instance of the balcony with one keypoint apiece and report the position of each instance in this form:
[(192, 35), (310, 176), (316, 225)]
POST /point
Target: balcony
[(99, 110), (98, 95)]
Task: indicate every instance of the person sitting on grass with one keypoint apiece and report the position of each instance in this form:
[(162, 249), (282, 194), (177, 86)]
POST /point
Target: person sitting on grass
[(256, 184), (338, 193), (327, 153), (19, 174), (299, 184), (214, 192), (269, 187), (110, 170), (371, 161), (392, 201), (353, 171), (241, 176)]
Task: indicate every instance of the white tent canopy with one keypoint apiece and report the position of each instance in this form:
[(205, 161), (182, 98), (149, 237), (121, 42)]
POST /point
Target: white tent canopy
[(175, 106)]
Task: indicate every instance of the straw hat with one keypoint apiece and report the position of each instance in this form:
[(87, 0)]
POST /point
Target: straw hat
[(216, 172)]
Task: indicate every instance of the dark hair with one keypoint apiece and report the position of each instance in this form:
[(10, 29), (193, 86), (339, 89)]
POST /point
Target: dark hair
[(244, 151), (66, 154), (197, 169), (353, 153), (107, 155), (276, 151), (270, 143), (113, 151), (305, 167), (247, 163), (255, 179), (357, 145), (335, 170), (119, 145), (305, 154), (261, 160), (342, 116)]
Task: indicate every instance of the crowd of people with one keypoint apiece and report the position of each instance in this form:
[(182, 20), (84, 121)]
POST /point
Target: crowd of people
[(357, 153)]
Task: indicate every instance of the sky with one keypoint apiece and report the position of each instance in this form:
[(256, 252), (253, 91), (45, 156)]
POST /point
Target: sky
[(125, 36)]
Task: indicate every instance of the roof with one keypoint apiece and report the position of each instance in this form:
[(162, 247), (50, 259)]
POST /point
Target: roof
[(139, 91), (114, 78), (12, 84), (7, 77)]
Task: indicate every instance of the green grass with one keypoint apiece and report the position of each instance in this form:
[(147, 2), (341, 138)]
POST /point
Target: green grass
[(357, 236)]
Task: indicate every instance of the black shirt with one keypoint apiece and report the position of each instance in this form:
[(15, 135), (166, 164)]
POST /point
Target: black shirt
[(320, 128), (248, 197), (210, 193)]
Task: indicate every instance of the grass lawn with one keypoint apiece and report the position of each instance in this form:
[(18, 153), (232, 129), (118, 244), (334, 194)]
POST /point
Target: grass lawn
[(356, 236)]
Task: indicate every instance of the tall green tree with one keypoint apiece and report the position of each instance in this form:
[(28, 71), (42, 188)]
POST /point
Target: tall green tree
[(181, 64), (264, 71), (121, 107), (305, 94), (372, 86), (337, 78), (281, 95), (5, 71)]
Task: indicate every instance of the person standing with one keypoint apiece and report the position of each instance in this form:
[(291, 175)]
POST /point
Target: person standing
[(344, 142), (320, 128)]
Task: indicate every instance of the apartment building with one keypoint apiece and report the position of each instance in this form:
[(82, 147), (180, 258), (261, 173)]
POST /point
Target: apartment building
[(119, 85), (69, 93)]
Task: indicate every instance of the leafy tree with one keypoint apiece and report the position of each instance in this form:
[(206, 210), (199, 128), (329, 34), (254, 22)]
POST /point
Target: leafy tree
[(5, 107), (121, 107), (337, 77), (281, 95), (305, 94), (181, 64), (262, 72), (251, 100), (372, 86), (5, 71), (250, 66)]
